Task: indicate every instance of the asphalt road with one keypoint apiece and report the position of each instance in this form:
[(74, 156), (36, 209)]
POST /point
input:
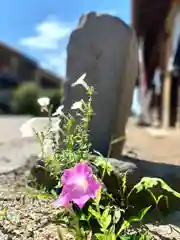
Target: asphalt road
[(14, 151), (9, 127)]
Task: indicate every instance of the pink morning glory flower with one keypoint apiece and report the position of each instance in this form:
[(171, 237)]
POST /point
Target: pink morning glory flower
[(79, 185)]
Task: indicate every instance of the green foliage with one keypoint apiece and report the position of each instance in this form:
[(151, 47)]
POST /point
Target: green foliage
[(147, 183), (69, 143), (26, 95), (103, 216), (25, 99)]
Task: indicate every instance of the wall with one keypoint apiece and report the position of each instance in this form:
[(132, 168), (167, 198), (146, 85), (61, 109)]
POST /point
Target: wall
[(176, 30)]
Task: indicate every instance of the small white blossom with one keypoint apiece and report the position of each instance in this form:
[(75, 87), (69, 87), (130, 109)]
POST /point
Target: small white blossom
[(59, 111), (44, 101), (81, 81), (26, 129), (77, 105)]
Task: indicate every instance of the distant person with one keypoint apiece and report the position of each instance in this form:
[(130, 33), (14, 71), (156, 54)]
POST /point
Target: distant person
[(157, 96), (136, 101)]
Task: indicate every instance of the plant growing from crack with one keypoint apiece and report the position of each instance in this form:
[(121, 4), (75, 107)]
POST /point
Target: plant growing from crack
[(83, 202)]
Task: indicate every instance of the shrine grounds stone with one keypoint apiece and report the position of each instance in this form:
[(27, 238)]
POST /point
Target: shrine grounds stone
[(105, 48), (135, 169)]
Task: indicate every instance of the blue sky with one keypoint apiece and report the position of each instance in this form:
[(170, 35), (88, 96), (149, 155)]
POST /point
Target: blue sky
[(40, 28)]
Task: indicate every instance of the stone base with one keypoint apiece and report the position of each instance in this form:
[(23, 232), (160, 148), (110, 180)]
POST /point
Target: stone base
[(136, 169)]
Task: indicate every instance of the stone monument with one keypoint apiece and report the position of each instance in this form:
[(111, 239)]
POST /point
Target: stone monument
[(104, 48)]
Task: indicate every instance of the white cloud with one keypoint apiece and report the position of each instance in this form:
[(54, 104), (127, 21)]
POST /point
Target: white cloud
[(51, 37), (48, 34), (55, 62), (111, 12)]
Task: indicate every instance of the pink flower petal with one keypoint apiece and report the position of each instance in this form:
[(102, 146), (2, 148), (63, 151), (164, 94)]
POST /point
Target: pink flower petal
[(83, 169), (73, 191), (79, 186), (70, 175), (62, 201), (66, 176), (93, 188), (81, 201)]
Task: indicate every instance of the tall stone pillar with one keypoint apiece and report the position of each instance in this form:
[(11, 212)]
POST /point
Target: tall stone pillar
[(104, 48)]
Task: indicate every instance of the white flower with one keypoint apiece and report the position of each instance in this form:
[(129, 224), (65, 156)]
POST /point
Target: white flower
[(81, 81), (44, 101), (59, 111), (77, 105), (38, 124), (26, 129)]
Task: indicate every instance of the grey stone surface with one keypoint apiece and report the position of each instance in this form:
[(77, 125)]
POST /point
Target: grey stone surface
[(138, 168), (15, 153), (104, 48)]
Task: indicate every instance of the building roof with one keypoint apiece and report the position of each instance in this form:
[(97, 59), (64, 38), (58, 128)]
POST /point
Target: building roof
[(44, 72), (17, 53)]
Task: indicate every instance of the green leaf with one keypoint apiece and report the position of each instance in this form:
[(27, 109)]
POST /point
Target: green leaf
[(124, 182), (144, 237), (103, 163), (106, 222), (99, 161), (105, 219), (157, 200), (126, 224), (142, 213), (105, 236), (99, 236), (126, 238), (148, 183), (83, 217), (117, 215), (113, 236), (94, 213), (105, 213), (134, 237), (98, 197), (153, 196)]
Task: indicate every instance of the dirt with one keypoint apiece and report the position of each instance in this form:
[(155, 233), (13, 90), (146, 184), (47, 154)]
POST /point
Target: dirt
[(29, 218), (23, 216), (151, 147)]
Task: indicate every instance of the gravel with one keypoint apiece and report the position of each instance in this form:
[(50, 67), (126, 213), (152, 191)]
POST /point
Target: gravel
[(23, 216), (30, 218)]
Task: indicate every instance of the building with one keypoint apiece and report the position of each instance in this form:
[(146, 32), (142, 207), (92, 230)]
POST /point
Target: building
[(157, 24), (21, 68), (16, 68)]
